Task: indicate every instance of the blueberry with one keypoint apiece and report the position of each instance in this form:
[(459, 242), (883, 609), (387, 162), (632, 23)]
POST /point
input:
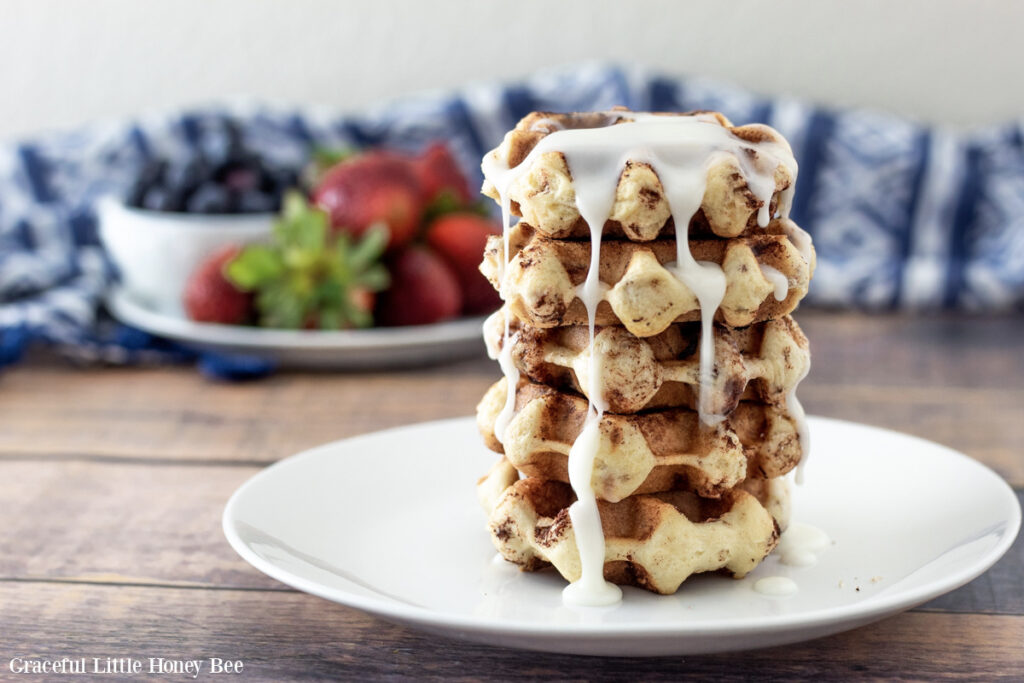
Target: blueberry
[(195, 173), (236, 156), (234, 202), (240, 178), (151, 177), (155, 170), (178, 198), (280, 181), (208, 198), (253, 201), (157, 199), (267, 181), (226, 178), (182, 180)]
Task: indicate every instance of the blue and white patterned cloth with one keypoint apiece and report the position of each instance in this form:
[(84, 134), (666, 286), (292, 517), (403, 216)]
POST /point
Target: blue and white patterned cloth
[(902, 216)]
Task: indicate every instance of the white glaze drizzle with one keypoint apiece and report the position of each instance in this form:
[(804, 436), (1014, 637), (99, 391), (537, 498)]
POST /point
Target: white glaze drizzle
[(800, 545), (776, 586), (502, 177), (777, 280), (508, 367), (595, 194), (796, 412), (681, 149), (591, 589)]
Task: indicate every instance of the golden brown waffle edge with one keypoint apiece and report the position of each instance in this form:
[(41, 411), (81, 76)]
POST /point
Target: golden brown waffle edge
[(763, 362), (653, 541), (543, 275)]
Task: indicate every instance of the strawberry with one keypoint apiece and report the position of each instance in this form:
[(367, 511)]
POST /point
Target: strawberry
[(423, 290), (459, 238), (210, 297), (438, 172), (377, 187)]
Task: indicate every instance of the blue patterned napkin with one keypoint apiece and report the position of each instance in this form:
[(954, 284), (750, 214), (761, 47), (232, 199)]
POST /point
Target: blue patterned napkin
[(902, 215)]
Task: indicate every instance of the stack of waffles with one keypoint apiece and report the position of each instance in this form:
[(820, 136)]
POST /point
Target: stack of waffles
[(647, 415)]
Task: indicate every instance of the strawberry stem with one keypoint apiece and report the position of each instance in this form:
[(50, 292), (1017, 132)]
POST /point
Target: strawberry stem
[(307, 278)]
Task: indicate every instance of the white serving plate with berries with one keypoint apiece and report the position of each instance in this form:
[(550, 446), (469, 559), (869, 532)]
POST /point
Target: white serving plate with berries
[(401, 535), (312, 290), (344, 349)]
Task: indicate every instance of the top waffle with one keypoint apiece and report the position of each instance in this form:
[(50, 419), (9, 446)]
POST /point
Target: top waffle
[(545, 197)]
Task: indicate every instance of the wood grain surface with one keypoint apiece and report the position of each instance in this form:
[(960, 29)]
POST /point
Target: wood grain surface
[(112, 483)]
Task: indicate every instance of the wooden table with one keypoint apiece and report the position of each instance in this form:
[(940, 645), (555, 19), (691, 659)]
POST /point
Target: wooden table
[(112, 483)]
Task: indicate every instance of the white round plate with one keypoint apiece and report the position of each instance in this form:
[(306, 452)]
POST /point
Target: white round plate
[(388, 523), (353, 349)]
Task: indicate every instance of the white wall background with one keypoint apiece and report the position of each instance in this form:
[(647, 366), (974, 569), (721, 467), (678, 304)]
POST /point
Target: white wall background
[(66, 62)]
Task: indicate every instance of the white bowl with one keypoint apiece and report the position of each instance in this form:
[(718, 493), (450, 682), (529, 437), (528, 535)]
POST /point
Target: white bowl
[(157, 251)]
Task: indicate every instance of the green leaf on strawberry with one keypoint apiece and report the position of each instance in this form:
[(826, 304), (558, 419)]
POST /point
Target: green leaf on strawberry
[(325, 157), (255, 264), (309, 278)]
